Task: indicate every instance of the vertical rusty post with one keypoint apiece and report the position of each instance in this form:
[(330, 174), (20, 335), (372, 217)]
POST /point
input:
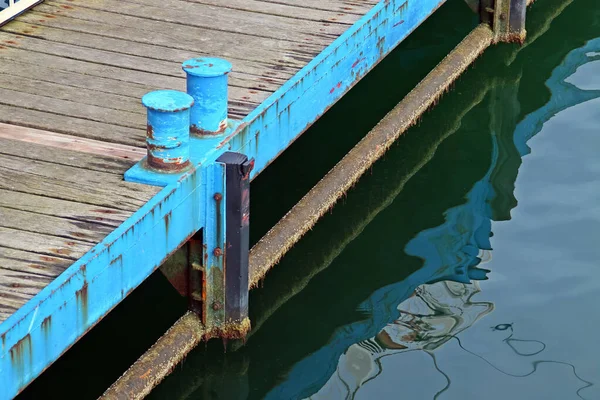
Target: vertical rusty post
[(226, 246), (207, 83), (507, 18), (237, 209), (167, 130)]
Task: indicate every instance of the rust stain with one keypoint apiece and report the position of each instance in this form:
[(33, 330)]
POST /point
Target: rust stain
[(149, 131), (402, 7), (66, 7), (19, 351), (146, 374), (105, 211), (117, 260), (10, 42), (82, 302), (49, 16), (167, 223), (64, 252), (157, 163), (46, 326)]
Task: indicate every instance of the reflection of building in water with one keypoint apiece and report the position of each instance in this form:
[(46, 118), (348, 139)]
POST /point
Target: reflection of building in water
[(429, 318)]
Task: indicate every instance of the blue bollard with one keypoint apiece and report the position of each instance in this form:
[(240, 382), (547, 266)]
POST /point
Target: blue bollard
[(168, 130), (207, 84)]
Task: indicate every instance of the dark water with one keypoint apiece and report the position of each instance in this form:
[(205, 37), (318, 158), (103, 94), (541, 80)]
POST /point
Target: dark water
[(464, 266)]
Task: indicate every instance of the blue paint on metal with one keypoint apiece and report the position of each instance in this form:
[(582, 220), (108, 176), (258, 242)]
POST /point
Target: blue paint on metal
[(93, 285), (167, 101), (168, 129), (207, 84), (213, 237)]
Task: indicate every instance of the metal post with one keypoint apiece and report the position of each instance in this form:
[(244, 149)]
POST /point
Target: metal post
[(207, 84), (167, 131), (225, 246), (507, 18), (237, 206)]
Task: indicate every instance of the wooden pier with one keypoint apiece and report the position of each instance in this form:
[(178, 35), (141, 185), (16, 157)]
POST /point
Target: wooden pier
[(75, 237)]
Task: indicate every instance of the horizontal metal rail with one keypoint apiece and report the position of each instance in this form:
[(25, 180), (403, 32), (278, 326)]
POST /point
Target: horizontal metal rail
[(171, 348)]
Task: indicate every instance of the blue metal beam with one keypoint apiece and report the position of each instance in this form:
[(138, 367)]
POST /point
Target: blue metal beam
[(50, 323)]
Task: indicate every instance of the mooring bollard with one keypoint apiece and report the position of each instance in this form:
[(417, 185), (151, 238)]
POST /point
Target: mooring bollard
[(168, 130), (207, 83)]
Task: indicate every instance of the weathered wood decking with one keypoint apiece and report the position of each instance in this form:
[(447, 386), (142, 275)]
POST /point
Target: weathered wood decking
[(71, 76)]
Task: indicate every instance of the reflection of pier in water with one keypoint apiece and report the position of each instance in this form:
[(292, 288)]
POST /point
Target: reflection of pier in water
[(490, 198)]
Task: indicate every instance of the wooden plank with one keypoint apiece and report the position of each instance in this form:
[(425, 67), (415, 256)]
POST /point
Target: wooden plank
[(64, 209), (72, 109), (151, 81), (26, 221), (47, 245), (127, 61), (222, 44), (71, 125), (131, 46), (70, 93), (70, 183), (296, 11), (119, 156), (351, 7), (16, 288), (32, 263), (57, 155), (201, 16)]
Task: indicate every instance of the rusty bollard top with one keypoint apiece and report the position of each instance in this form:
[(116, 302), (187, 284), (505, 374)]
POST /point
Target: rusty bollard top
[(207, 83), (168, 129)]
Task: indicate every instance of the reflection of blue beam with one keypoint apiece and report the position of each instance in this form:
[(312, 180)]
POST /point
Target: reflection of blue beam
[(563, 95), (449, 251), (45, 327)]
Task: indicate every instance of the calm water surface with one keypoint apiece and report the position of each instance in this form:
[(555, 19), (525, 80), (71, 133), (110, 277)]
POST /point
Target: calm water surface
[(466, 266)]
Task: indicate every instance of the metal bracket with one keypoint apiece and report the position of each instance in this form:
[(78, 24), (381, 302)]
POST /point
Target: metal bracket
[(506, 17)]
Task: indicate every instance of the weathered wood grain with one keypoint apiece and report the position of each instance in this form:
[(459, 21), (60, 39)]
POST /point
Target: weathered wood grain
[(64, 209), (72, 109), (296, 11), (70, 183), (146, 65), (263, 67), (358, 7), (223, 44), (71, 93), (71, 125), (26, 221), (57, 155), (65, 149), (201, 16), (43, 244), (32, 262)]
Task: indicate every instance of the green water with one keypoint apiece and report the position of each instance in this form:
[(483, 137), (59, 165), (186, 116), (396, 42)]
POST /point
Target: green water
[(464, 266)]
